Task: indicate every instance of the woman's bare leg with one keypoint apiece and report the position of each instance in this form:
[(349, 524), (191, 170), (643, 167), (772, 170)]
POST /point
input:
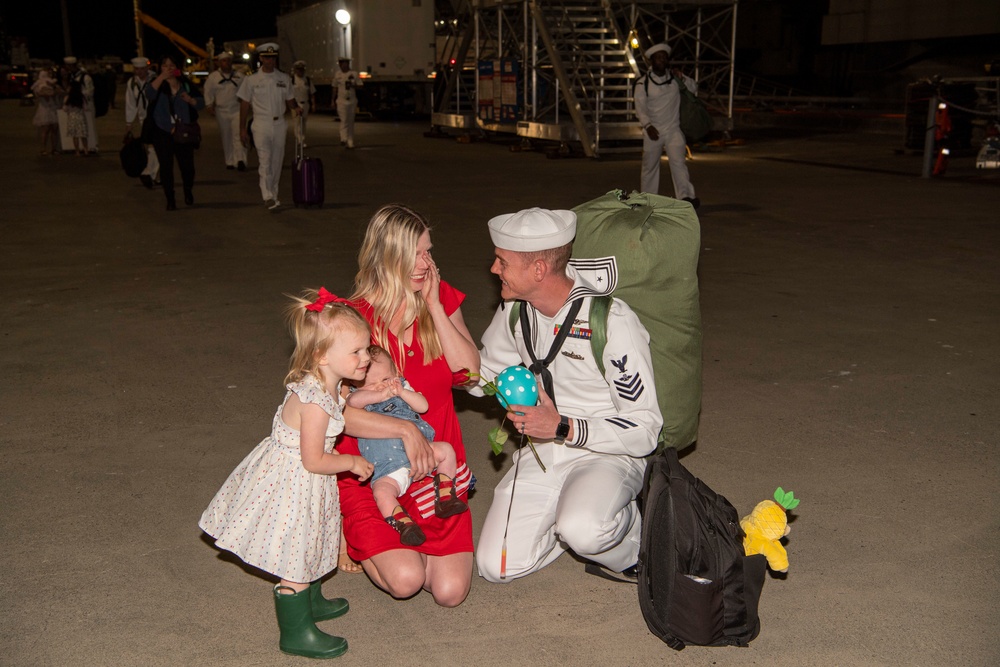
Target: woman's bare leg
[(402, 573), (449, 578), (399, 572)]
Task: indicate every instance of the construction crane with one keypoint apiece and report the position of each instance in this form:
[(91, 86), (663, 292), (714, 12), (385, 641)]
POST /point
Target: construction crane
[(188, 48)]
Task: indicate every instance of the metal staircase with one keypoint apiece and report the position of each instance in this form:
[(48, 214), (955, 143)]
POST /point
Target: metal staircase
[(588, 69), (576, 63)]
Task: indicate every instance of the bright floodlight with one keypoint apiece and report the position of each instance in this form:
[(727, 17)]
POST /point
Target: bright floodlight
[(246, 56), (343, 16)]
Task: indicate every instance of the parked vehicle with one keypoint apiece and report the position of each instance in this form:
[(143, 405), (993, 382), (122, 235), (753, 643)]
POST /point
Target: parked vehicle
[(14, 83)]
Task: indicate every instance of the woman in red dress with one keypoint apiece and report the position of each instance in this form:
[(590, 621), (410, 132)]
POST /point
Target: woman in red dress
[(418, 318)]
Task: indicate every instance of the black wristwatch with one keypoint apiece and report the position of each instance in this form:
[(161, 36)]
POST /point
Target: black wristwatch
[(562, 431)]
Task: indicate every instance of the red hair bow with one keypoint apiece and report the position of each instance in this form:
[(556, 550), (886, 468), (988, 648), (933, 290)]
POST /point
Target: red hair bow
[(323, 297)]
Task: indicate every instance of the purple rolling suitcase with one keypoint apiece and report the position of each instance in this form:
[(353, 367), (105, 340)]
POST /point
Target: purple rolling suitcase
[(307, 178)]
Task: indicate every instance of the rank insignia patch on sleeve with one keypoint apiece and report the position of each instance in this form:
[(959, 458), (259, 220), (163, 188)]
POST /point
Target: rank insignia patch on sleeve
[(629, 387)]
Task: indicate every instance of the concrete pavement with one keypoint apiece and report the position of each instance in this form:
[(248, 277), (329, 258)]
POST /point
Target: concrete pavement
[(852, 340)]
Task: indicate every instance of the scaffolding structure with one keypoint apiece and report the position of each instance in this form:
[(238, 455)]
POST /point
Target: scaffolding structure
[(564, 70)]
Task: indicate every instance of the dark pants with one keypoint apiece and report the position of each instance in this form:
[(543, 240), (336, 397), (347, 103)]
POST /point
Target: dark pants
[(166, 150)]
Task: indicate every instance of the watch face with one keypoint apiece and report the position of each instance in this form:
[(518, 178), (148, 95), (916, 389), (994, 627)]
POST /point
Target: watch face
[(563, 429)]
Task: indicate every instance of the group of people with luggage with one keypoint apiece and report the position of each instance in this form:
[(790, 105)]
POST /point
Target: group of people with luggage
[(250, 110)]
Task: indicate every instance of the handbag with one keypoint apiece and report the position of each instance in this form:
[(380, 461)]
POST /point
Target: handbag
[(696, 122), (187, 133)]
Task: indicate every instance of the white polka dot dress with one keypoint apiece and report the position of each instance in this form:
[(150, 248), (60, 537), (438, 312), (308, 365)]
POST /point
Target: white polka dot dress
[(272, 512)]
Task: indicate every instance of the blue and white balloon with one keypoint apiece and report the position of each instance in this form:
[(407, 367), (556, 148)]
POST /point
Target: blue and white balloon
[(516, 386)]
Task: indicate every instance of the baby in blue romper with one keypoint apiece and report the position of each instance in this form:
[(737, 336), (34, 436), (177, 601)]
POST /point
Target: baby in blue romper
[(386, 392)]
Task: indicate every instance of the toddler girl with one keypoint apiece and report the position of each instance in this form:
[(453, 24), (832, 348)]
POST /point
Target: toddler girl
[(279, 510), (385, 392)]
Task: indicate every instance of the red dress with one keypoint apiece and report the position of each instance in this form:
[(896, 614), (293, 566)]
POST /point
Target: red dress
[(365, 529)]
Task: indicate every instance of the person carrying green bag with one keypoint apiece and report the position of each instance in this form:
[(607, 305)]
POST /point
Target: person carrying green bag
[(658, 105)]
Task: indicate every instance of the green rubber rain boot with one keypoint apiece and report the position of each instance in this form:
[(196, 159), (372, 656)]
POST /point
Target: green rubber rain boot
[(323, 609), (299, 634)]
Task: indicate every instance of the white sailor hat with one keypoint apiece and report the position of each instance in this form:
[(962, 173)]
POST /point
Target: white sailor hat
[(533, 229), (70, 60), (140, 61), (343, 59), (267, 49), (656, 48), (225, 55), (299, 63)]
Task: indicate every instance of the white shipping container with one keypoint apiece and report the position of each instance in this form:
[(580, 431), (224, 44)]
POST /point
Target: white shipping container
[(390, 40)]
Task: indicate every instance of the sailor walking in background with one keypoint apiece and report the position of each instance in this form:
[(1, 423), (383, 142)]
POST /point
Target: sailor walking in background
[(221, 101), (268, 91), (345, 83), (135, 114), (657, 104), (305, 95)]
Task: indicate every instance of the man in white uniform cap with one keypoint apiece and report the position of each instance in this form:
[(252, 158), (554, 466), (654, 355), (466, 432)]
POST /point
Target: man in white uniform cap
[(591, 430), (305, 96), (135, 113), (345, 84), (221, 101), (86, 82), (269, 92), (657, 104)]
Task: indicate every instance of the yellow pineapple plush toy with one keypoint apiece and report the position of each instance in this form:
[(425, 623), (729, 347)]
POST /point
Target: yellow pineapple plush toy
[(766, 525)]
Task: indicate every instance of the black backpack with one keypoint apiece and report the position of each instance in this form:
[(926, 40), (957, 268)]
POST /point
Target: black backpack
[(696, 586)]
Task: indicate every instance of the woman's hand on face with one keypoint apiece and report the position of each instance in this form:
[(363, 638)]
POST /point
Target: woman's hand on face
[(432, 284)]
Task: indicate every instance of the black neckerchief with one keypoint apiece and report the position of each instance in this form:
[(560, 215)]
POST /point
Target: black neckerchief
[(541, 367), (228, 79), (140, 92), (670, 78)]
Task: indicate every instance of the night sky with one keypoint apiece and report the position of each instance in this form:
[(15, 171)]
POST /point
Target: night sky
[(107, 27)]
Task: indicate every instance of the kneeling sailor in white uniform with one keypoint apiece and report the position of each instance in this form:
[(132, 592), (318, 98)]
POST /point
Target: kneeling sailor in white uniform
[(591, 429)]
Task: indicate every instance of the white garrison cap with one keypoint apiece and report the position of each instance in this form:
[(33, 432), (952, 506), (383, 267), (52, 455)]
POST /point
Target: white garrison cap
[(69, 60), (533, 229), (225, 55), (656, 48), (140, 61), (267, 49)]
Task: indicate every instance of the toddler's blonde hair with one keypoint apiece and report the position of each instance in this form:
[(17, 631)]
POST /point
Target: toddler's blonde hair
[(314, 332)]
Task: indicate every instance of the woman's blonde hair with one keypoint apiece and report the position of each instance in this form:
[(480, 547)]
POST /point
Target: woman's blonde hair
[(385, 264), (315, 331)]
